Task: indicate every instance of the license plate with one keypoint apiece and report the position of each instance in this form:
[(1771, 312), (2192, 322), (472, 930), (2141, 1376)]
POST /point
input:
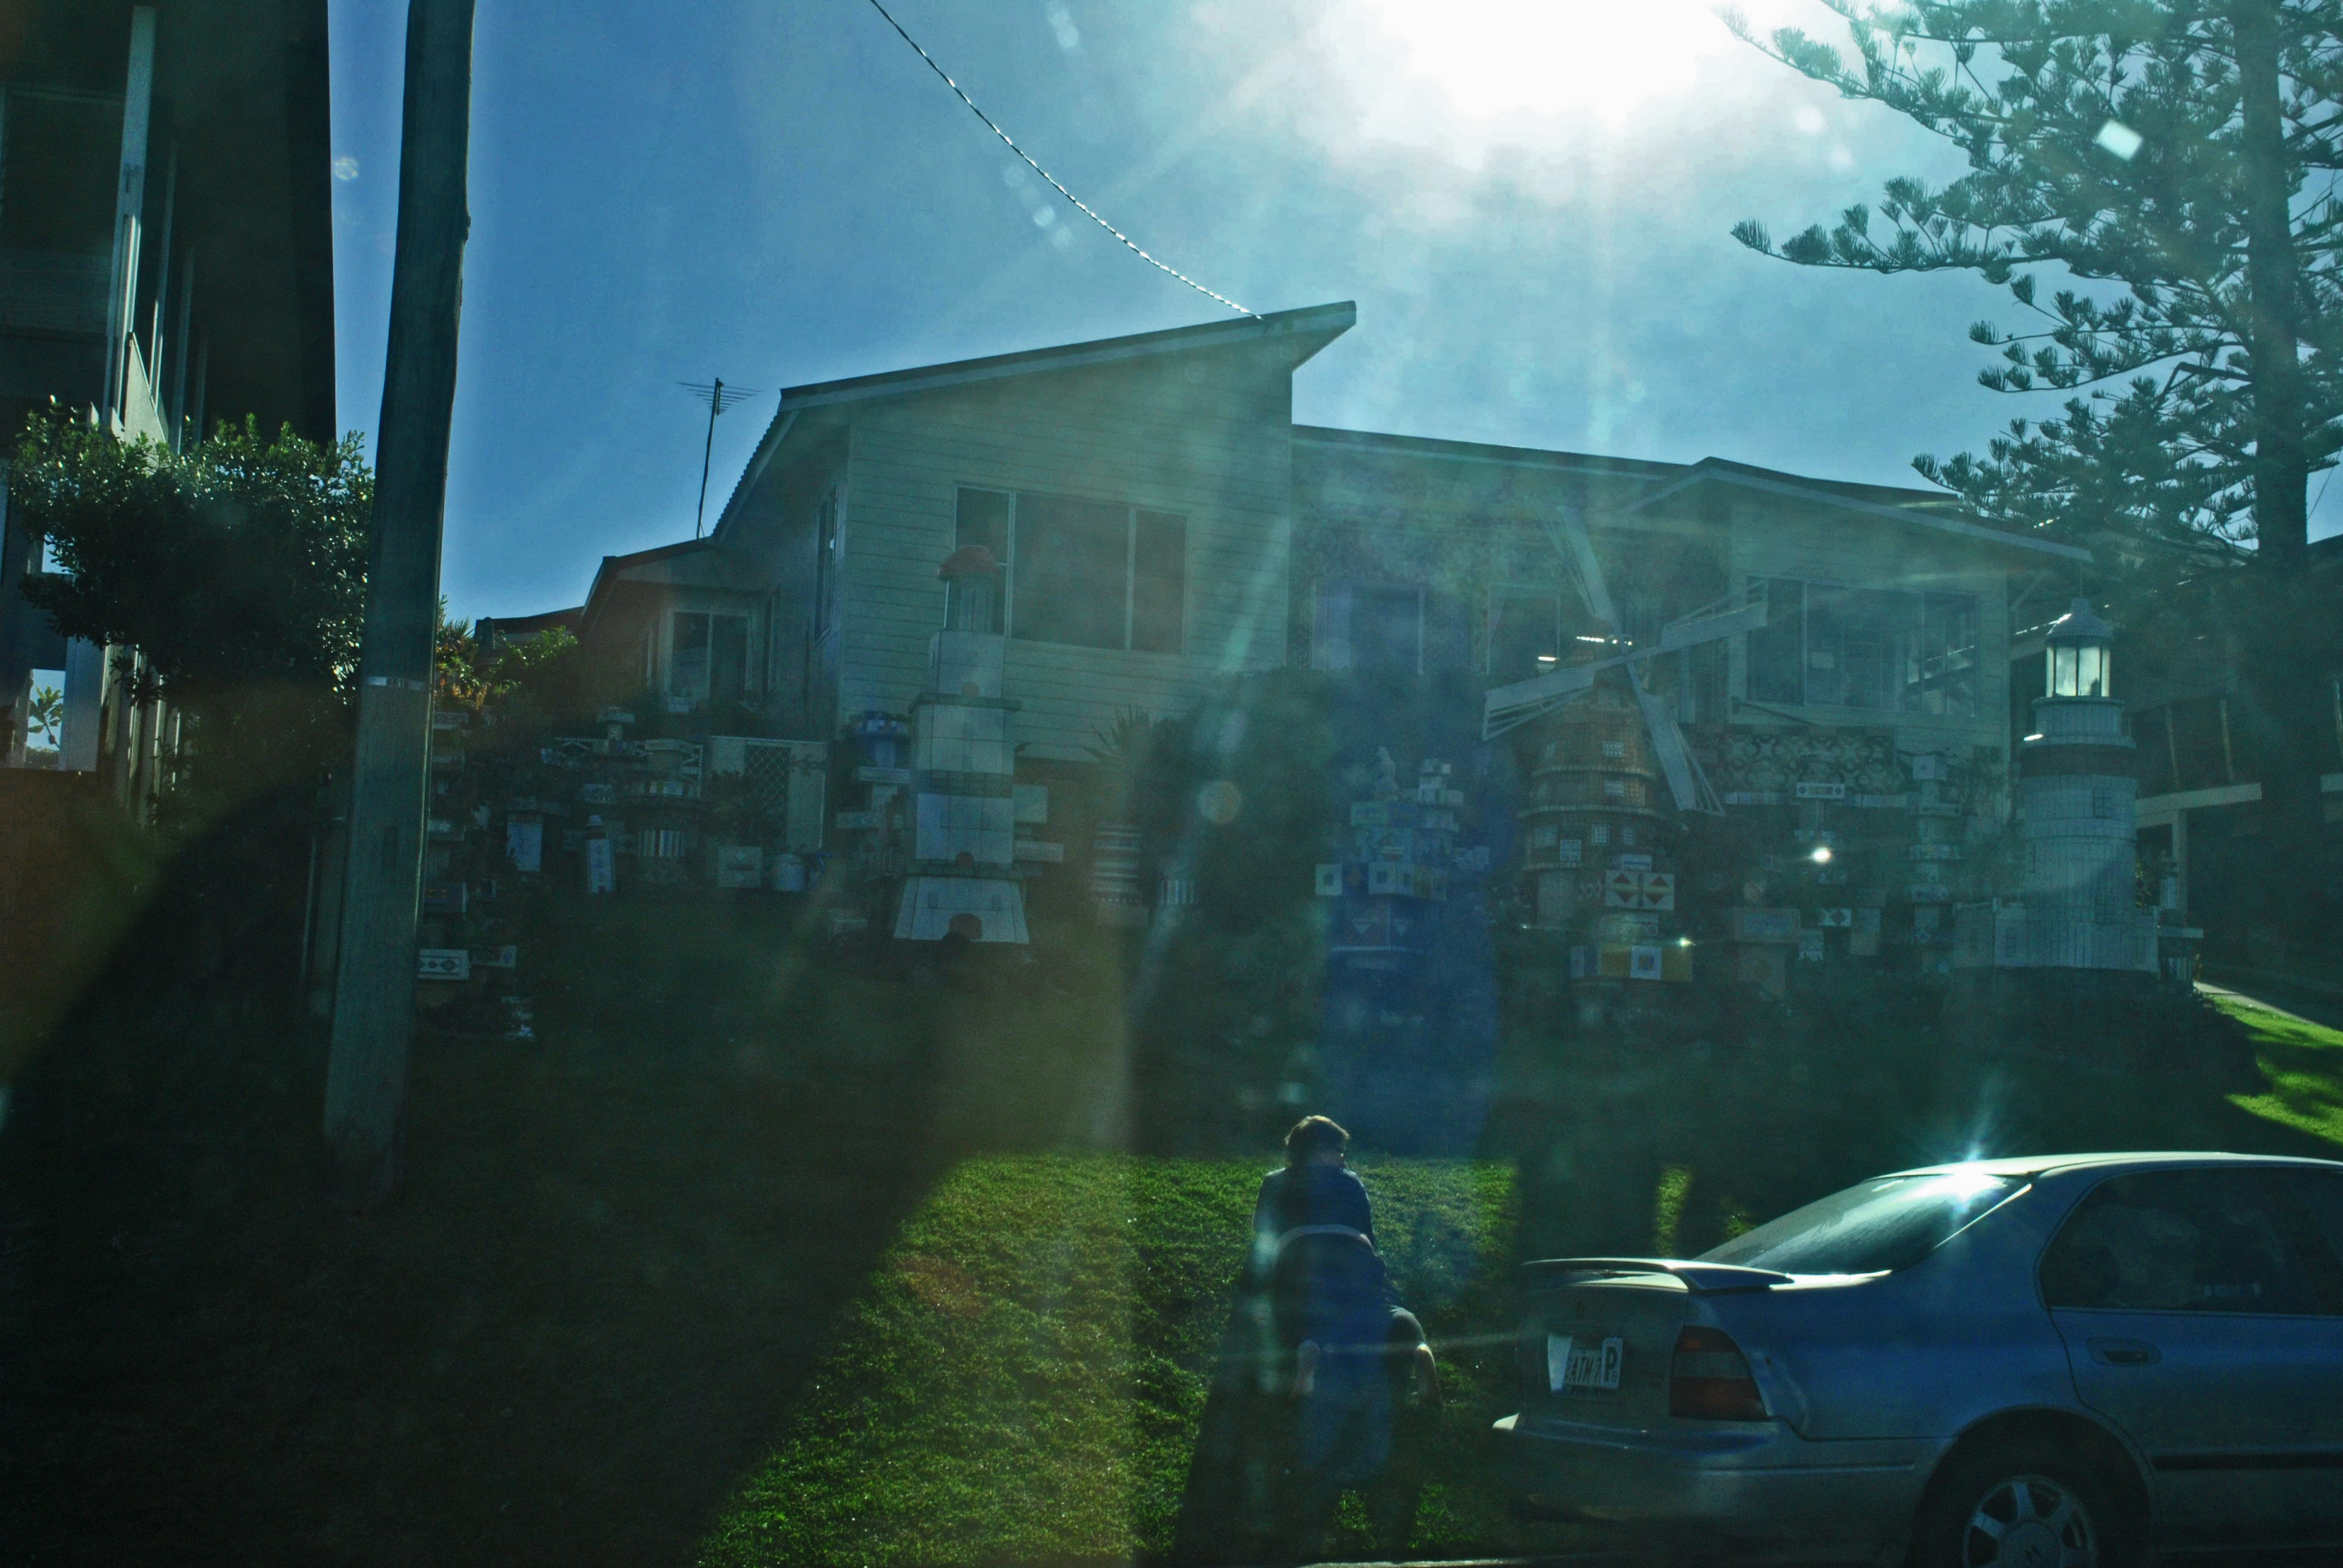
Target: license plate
[(1579, 1365)]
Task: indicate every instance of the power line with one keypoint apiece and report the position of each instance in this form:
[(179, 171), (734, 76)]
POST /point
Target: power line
[(1080, 206)]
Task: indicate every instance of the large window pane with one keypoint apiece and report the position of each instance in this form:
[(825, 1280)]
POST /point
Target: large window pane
[(1159, 582), (1072, 560), (1778, 651), (687, 667), (2181, 1242), (1387, 628), (1889, 1222), (727, 657), (1940, 676), (1524, 631), (1874, 629), (56, 187)]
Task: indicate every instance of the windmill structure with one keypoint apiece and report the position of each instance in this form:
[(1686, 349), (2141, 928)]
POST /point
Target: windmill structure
[(1509, 706), (718, 398)]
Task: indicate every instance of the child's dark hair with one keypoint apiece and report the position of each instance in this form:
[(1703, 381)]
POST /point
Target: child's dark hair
[(1313, 1136)]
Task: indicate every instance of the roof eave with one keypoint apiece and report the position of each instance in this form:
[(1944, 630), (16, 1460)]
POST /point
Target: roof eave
[(1709, 471), (1325, 322)]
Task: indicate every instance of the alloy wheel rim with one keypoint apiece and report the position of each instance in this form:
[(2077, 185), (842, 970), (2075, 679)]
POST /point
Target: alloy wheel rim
[(2029, 1521)]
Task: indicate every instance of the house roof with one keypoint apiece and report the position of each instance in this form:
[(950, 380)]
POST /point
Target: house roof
[(1922, 508), (510, 626), (614, 569), (1311, 327), (1308, 330), (1441, 449)]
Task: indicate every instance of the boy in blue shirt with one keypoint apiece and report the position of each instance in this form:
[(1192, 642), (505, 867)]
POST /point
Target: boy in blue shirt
[(1335, 1311)]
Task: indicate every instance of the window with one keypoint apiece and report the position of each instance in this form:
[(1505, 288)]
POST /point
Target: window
[(1369, 627), (57, 208), (1071, 562), (1159, 581), (1775, 655), (1088, 574), (1387, 629), (1891, 1222), (982, 519), (1883, 650), (708, 658), (2320, 1195), (1941, 676), (825, 565), (2181, 1242), (1524, 630)]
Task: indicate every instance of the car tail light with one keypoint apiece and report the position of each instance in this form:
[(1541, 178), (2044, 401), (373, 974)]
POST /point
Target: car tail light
[(1709, 1379)]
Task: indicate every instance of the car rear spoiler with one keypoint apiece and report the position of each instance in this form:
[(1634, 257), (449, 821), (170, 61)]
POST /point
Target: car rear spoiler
[(1701, 1279)]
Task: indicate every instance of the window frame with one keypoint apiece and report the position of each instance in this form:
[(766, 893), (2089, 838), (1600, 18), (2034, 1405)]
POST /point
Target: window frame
[(1551, 592), (706, 692), (2293, 1226), (1005, 615), (1910, 647)]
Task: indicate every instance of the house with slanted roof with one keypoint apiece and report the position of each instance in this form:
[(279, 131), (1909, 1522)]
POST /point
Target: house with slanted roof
[(1160, 523)]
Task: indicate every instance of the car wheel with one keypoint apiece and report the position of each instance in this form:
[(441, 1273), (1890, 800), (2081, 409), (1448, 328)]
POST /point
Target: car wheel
[(2023, 1505)]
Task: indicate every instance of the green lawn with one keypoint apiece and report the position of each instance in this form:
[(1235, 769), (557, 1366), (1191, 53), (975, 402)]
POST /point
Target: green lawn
[(1023, 1378), (2304, 1063)]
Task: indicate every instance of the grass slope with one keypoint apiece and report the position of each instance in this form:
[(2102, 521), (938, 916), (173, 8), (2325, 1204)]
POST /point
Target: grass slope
[(2304, 1063), (1023, 1378)]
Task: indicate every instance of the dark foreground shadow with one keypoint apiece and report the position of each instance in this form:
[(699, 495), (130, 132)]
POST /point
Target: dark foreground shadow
[(618, 1253)]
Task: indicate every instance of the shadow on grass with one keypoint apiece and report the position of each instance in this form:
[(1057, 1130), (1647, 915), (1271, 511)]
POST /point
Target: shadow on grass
[(619, 1251)]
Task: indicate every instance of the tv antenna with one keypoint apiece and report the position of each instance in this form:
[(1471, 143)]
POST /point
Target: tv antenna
[(719, 398)]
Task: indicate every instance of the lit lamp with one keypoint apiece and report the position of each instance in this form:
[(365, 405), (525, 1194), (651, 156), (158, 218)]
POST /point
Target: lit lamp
[(2081, 651)]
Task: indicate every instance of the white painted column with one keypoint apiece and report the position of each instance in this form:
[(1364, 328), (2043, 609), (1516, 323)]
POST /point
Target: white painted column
[(129, 202), (85, 698)]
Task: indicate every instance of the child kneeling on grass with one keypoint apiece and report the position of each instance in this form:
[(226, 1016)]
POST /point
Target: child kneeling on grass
[(1338, 1316)]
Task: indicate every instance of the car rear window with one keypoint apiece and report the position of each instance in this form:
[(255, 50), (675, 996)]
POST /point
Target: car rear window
[(1890, 1223)]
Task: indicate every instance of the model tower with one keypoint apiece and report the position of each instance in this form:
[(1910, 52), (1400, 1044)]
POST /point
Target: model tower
[(2077, 806), (963, 878)]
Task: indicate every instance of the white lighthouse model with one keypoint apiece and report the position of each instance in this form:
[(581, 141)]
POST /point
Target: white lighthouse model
[(2077, 803), (963, 878)]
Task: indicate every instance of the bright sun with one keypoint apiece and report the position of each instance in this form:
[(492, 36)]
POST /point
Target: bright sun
[(1607, 59)]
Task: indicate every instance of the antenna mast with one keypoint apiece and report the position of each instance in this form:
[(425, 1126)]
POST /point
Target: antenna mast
[(719, 398)]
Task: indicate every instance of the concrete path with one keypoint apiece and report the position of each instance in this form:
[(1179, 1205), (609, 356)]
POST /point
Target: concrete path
[(2283, 999)]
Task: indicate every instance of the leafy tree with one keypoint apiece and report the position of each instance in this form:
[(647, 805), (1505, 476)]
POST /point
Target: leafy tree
[(470, 675), (44, 716), (237, 570), (2176, 161)]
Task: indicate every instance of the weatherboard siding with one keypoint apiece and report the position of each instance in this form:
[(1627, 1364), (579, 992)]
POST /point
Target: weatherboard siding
[(1206, 435)]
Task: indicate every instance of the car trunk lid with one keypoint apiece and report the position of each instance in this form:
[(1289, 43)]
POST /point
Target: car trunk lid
[(1599, 1336)]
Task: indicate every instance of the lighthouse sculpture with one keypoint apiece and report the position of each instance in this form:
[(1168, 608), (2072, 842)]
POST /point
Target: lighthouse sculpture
[(962, 879), (2077, 816)]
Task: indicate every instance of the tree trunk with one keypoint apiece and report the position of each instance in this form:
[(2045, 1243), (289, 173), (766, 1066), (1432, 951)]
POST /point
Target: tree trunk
[(2283, 663)]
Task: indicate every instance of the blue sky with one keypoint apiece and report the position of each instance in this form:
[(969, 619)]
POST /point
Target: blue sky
[(1529, 199)]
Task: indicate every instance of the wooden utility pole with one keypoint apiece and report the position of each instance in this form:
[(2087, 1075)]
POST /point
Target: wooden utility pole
[(374, 982)]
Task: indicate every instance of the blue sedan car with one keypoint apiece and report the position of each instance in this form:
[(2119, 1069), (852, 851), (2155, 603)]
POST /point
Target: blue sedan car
[(2059, 1363)]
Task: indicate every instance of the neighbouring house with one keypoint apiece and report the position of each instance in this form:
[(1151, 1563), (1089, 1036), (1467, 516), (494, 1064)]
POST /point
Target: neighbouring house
[(2200, 764), (166, 260), (1162, 523)]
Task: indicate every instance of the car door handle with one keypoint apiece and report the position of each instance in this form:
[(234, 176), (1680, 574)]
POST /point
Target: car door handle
[(2123, 1353)]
